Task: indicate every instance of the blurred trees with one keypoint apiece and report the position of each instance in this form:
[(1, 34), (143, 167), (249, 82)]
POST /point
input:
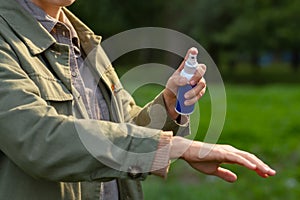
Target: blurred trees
[(270, 25), (227, 29)]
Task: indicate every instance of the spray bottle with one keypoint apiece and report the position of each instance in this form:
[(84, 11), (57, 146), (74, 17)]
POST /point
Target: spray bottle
[(188, 72)]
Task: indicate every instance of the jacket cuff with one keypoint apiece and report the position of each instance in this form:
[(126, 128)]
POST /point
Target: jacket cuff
[(161, 162)]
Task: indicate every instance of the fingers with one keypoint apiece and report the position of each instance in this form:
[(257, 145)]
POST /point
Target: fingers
[(201, 69), (235, 158), (199, 84), (261, 168), (195, 94)]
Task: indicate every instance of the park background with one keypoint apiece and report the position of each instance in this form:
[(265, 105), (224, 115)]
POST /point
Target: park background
[(256, 46)]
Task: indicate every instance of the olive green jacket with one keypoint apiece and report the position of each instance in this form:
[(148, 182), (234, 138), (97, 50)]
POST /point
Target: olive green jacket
[(46, 151)]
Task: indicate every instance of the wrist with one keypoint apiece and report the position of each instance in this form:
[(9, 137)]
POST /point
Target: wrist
[(179, 147), (170, 101)]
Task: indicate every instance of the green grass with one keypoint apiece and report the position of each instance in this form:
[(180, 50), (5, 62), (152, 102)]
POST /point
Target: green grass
[(260, 119)]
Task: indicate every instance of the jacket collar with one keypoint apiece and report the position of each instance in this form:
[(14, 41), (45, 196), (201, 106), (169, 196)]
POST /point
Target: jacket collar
[(39, 14), (36, 37), (88, 40)]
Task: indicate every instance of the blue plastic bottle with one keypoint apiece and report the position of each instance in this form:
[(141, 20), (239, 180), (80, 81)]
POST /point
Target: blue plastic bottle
[(187, 72)]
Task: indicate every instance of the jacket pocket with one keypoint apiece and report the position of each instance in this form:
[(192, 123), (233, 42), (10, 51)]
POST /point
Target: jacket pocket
[(51, 89), (54, 92)]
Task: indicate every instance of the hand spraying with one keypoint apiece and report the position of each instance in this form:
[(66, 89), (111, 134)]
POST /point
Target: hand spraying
[(188, 72)]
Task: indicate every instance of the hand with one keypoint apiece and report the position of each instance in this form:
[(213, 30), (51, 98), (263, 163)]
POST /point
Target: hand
[(176, 80), (207, 158)]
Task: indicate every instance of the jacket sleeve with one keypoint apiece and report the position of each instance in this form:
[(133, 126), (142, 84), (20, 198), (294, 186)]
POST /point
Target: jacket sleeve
[(155, 115), (57, 147)]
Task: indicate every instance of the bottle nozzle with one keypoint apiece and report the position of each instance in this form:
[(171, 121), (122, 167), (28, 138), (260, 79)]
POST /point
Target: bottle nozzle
[(192, 59)]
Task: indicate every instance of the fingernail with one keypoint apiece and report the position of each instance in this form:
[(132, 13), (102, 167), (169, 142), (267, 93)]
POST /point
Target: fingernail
[(266, 176), (192, 82), (273, 172), (194, 49)]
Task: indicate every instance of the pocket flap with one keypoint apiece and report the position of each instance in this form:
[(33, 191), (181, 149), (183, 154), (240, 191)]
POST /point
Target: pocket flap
[(51, 89)]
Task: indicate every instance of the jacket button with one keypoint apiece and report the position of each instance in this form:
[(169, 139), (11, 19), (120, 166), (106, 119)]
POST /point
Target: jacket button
[(134, 172), (74, 74)]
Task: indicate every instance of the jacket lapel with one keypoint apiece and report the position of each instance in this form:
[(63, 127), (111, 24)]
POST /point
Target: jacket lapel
[(39, 42), (34, 36)]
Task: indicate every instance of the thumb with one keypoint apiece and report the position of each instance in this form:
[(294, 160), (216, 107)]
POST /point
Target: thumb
[(226, 174)]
